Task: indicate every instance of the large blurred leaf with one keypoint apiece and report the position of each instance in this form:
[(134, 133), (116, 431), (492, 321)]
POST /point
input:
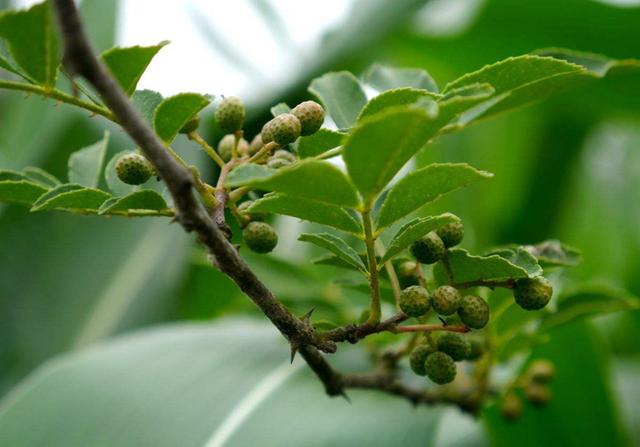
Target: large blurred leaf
[(423, 186), (386, 78), (226, 384), (342, 96), (380, 146), (128, 64), (307, 209), (85, 165), (33, 41), (20, 191)]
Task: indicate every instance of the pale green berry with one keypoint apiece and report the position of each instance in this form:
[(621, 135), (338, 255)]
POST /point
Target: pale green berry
[(225, 147), (244, 207), (415, 301), (134, 169), (256, 144), (283, 129), (532, 293), (418, 357), (230, 114), (311, 116), (260, 237), (446, 300), (277, 163)]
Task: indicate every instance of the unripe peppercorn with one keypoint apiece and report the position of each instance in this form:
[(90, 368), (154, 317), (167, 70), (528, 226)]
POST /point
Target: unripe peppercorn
[(541, 371), (134, 169), (266, 134), (418, 357), (415, 301), (457, 346), (225, 146), (283, 129), (285, 155), (446, 300), (532, 293), (474, 312), (311, 116), (511, 407), (538, 394), (244, 206), (440, 368), (277, 163), (256, 144), (260, 237), (406, 272), (451, 234), (230, 114), (429, 249), (191, 125)]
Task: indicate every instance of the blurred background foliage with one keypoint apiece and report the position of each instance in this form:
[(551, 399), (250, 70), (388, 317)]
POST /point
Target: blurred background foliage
[(567, 168)]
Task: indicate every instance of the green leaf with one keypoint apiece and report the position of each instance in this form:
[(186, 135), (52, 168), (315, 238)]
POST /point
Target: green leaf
[(319, 142), (521, 258), (589, 301), (280, 108), (8, 174), (71, 197), (128, 64), (117, 186), (32, 38), (376, 150), (384, 78), (306, 209), (336, 246), (461, 105), (85, 165), (394, 98), (20, 191), (248, 173), (423, 186), (414, 230), (466, 268), (529, 78), (147, 101), (174, 112), (553, 253), (166, 387), (41, 177), (342, 96), (139, 203), (309, 179)]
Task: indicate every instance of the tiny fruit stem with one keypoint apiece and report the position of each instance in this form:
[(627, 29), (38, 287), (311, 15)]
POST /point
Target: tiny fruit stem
[(211, 152)]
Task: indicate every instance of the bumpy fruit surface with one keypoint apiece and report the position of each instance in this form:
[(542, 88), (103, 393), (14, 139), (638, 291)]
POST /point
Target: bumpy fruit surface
[(541, 371), (538, 394), (230, 114), (511, 407), (451, 234), (134, 169), (277, 163), (260, 237), (283, 129), (532, 293), (474, 312), (244, 206), (446, 300), (418, 357), (256, 144), (311, 116), (428, 249), (191, 125), (266, 134), (406, 271), (415, 301), (477, 347), (457, 346), (440, 368)]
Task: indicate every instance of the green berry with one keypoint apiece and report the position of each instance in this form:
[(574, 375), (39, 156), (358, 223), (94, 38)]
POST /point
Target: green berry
[(243, 209), (538, 394), (455, 345), (260, 237), (283, 129), (440, 368), (511, 407), (277, 163), (266, 134), (541, 371), (225, 146), (285, 155), (191, 125), (406, 272), (256, 144), (477, 347), (418, 357), (532, 293), (446, 300), (230, 114), (429, 249), (474, 312), (451, 234), (134, 169), (415, 301), (311, 116)]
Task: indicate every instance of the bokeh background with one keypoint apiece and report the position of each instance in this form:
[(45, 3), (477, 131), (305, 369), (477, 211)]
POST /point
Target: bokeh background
[(567, 168)]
